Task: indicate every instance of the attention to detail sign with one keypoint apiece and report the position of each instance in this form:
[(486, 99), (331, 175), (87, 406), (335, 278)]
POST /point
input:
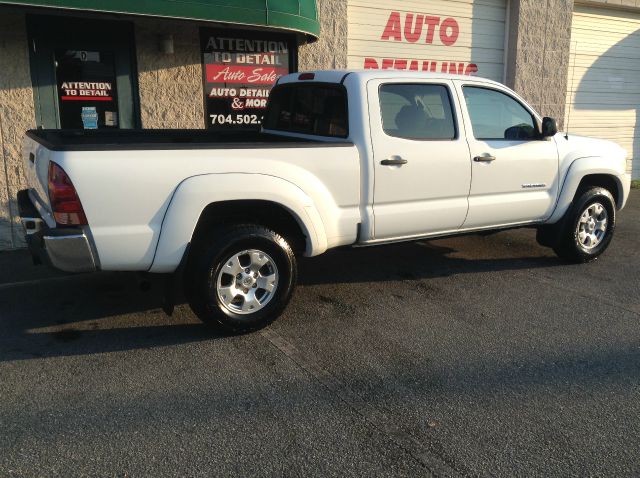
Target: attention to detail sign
[(80, 91), (239, 72), (87, 89)]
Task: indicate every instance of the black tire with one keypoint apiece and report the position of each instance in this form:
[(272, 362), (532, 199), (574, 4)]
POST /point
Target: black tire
[(212, 253), (568, 245)]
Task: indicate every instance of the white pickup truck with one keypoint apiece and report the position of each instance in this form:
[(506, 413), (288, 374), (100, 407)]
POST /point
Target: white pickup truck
[(343, 159)]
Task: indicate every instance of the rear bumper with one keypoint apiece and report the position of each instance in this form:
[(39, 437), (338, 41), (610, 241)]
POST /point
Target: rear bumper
[(65, 248)]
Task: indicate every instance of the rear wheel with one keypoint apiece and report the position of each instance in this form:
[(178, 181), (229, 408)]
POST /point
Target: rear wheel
[(242, 278), (588, 227)]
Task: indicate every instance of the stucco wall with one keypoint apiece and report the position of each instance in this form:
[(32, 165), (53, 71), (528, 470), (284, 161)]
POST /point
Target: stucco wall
[(170, 85), (538, 56), (16, 116), (330, 51)]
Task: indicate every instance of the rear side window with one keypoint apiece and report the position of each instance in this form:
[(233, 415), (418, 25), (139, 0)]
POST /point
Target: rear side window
[(417, 111), (314, 109), (496, 115)]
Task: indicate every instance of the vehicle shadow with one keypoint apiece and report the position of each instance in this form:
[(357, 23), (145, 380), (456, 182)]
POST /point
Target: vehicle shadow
[(108, 312), (427, 259)]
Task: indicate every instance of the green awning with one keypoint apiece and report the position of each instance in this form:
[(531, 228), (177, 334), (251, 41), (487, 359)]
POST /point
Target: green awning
[(296, 15)]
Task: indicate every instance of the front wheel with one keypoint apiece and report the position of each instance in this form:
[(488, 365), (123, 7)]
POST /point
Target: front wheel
[(588, 227), (242, 278)]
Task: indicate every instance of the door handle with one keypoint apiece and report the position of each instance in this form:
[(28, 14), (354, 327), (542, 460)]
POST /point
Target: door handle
[(487, 158), (393, 162)]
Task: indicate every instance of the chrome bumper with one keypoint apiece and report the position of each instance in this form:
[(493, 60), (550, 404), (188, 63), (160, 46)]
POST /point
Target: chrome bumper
[(67, 249), (70, 253)]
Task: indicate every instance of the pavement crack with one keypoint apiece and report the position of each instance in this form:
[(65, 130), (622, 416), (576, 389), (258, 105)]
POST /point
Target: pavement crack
[(433, 463)]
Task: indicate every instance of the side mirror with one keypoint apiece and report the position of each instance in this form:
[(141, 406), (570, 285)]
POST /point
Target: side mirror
[(549, 127)]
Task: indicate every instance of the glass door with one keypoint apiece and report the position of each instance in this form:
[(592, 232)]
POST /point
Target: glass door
[(83, 73), (87, 89)]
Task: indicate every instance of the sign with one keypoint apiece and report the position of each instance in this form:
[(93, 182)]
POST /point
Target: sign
[(87, 92), (240, 68), (466, 38), (415, 27), (111, 118), (89, 116), (75, 90), (87, 55)]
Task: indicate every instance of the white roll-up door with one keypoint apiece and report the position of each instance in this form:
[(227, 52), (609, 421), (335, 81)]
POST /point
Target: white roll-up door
[(603, 97), (455, 36)]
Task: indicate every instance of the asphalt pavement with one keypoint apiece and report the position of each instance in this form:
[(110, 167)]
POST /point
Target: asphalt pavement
[(482, 355)]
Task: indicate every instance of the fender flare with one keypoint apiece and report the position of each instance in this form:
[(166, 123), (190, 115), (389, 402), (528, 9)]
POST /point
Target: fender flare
[(576, 172), (195, 193)]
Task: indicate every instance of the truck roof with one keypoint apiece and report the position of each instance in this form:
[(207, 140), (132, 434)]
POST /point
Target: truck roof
[(336, 76)]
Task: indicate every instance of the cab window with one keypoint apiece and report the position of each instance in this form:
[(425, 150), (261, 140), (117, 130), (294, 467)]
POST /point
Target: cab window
[(315, 109), (497, 116), (417, 111)]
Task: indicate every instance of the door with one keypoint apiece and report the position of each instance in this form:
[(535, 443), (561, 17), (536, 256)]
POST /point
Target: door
[(465, 36), (421, 161), (603, 95), (82, 72), (514, 171)]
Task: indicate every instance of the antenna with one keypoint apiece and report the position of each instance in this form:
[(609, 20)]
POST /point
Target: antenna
[(571, 103)]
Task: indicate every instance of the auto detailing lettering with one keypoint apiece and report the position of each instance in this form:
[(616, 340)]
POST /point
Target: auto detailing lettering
[(411, 30), (425, 29), (242, 97)]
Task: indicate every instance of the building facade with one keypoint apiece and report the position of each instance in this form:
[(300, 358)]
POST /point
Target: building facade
[(135, 64)]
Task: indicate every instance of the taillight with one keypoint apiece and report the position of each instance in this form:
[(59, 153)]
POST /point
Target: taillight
[(65, 203)]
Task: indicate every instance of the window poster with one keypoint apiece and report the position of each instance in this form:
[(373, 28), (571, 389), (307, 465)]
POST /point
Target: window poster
[(240, 68), (87, 93)]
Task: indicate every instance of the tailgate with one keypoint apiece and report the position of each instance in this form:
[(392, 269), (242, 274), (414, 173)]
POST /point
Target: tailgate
[(36, 169)]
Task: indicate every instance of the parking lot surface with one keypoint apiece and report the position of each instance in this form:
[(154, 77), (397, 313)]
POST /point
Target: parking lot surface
[(478, 355)]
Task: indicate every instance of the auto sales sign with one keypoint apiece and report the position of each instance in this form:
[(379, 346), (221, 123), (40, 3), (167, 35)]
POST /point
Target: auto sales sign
[(240, 68)]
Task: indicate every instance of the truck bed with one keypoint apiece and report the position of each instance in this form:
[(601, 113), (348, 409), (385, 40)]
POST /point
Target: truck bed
[(167, 139)]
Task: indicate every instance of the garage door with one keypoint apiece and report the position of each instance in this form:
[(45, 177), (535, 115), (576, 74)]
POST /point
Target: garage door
[(461, 36), (603, 97)]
